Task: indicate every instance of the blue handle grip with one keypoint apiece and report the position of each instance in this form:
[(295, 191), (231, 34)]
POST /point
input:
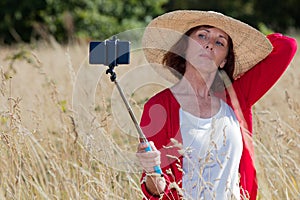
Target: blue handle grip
[(157, 168)]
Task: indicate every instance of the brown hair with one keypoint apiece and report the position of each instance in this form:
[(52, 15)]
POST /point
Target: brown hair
[(175, 57)]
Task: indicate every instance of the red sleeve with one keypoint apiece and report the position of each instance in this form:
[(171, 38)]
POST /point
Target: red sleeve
[(257, 81), (154, 123)]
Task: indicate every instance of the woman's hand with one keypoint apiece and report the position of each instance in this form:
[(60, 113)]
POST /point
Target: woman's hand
[(155, 183), (148, 159)]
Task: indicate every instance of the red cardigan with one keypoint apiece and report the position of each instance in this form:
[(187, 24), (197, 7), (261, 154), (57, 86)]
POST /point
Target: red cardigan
[(160, 119)]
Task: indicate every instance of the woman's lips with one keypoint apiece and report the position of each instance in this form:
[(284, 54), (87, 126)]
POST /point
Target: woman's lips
[(206, 56)]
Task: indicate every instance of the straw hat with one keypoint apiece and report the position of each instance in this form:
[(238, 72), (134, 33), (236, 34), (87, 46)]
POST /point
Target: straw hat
[(249, 45)]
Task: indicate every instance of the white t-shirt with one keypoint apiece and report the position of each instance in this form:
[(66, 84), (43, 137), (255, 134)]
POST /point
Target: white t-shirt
[(212, 153)]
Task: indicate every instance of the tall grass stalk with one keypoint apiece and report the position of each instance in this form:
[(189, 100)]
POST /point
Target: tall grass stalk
[(42, 156)]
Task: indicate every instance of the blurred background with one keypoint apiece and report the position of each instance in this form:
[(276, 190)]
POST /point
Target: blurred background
[(43, 65), (67, 20)]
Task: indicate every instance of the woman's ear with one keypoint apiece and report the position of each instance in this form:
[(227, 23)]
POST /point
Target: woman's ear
[(223, 63)]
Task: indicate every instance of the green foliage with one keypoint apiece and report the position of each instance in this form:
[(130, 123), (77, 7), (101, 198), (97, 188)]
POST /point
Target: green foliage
[(264, 29), (66, 19), (17, 18), (274, 14), (278, 15), (63, 105)]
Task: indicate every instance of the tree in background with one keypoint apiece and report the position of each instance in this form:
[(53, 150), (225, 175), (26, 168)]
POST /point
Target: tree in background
[(275, 14), (28, 20), (98, 19), (278, 15), (17, 18)]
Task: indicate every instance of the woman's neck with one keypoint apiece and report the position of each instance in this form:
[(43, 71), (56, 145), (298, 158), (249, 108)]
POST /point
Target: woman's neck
[(194, 83)]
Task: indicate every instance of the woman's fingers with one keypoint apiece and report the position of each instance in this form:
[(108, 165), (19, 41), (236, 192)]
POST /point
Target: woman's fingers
[(147, 164), (148, 159), (141, 147)]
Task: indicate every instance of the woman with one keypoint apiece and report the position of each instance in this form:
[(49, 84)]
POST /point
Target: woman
[(200, 133)]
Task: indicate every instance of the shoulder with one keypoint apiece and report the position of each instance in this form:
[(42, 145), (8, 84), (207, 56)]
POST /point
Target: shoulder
[(163, 97), (162, 103)]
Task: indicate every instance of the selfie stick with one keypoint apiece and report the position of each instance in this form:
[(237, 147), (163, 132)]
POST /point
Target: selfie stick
[(142, 137)]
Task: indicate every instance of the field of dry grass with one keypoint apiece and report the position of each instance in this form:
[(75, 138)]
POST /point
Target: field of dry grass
[(62, 133)]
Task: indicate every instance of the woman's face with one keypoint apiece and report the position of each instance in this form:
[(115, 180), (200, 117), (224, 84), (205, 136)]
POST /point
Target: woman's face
[(207, 48)]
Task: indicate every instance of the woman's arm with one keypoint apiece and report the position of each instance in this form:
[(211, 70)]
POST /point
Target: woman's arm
[(156, 122), (153, 125), (258, 80)]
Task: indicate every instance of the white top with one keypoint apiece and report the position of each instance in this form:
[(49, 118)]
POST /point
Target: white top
[(212, 153)]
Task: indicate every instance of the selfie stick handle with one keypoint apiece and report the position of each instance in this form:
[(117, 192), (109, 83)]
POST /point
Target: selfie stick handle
[(142, 137)]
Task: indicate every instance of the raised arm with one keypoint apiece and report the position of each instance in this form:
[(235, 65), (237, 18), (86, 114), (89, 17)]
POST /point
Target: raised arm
[(257, 81)]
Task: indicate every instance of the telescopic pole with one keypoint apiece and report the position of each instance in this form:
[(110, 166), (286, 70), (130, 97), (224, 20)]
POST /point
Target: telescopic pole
[(142, 137)]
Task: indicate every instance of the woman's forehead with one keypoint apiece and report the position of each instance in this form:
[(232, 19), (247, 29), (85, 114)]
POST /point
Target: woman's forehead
[(211, 29)]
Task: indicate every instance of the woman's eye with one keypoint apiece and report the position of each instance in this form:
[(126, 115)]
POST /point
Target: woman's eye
[(202, 36), (219, 43)]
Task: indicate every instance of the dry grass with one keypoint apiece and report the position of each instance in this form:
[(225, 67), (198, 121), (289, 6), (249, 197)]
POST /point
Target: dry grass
[(42, 151), (277, 137)]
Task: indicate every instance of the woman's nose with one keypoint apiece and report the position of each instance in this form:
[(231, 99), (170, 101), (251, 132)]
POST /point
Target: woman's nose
[(209, 46)]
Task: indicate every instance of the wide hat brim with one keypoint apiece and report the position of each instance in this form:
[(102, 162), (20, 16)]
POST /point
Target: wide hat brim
[(249, 45)]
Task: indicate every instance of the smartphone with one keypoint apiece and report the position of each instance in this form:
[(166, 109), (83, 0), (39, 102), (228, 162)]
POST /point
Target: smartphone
[(109, 52)]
